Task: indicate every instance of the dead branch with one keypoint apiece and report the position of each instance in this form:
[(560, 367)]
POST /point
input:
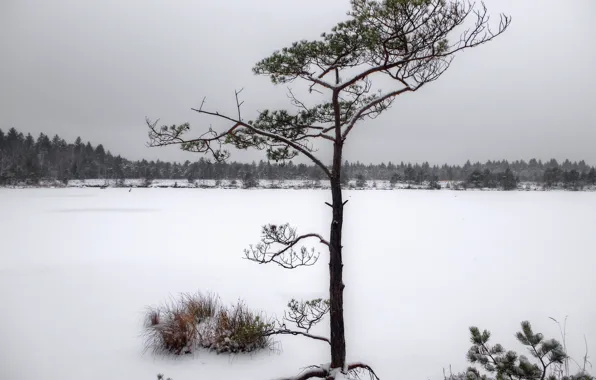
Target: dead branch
[(361, 367), (238, 103), (325, 372), (586, 361)]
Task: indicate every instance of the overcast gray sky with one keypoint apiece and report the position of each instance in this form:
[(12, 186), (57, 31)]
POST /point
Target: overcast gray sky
[(95, 69)]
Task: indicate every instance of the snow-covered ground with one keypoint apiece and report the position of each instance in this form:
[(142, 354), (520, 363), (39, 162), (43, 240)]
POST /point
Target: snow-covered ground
[(79, 266)]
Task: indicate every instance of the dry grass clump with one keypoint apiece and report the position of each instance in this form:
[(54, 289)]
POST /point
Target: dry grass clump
[(197, 321)]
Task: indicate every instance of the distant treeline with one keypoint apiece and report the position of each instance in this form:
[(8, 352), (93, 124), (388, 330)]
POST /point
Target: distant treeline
[(28, 159)]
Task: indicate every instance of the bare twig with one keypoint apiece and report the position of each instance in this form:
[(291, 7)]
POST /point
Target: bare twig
[(284, 236), (563, 331), (238, 104), (586, 361)]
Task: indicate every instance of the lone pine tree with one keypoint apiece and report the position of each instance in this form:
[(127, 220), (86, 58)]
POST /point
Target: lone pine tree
[(408, 42)]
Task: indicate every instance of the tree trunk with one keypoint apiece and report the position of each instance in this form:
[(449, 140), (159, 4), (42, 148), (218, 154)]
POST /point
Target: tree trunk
[(336, 285)]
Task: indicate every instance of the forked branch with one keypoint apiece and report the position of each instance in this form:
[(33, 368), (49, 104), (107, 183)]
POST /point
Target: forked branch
[(278, 245), (306, 314), (303, 314), (281, 134), (375, 106)]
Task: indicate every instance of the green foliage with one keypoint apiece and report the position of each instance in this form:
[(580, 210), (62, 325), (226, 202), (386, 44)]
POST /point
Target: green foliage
[(508, 365), (306, 314), (406, 41), (196, 321), (409, 34), (249, 330), (306, 307), (238, 329)]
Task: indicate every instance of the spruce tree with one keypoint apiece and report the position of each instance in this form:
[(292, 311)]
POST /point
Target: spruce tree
[(360, 181), (508, 180)]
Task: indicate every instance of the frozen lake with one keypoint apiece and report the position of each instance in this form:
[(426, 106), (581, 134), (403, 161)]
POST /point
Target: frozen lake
[(79, 266)]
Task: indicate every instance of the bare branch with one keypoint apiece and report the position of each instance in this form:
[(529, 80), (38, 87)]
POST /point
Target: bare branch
[(309, 77), (286, 256), (376, 102), (238, 105), (291, 332), (325, 372), (306, 314), (296, 102), (299, 104), (261, 132), (242, 135)]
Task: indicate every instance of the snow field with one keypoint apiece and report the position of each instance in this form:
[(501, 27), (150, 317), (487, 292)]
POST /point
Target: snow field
[(79, 266)]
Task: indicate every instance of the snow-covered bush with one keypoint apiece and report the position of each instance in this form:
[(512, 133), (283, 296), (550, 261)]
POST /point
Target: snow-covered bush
[(196, 321), (236, 329)]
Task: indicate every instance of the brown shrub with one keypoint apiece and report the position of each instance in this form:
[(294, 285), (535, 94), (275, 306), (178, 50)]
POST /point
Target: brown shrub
[(195, 320)]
